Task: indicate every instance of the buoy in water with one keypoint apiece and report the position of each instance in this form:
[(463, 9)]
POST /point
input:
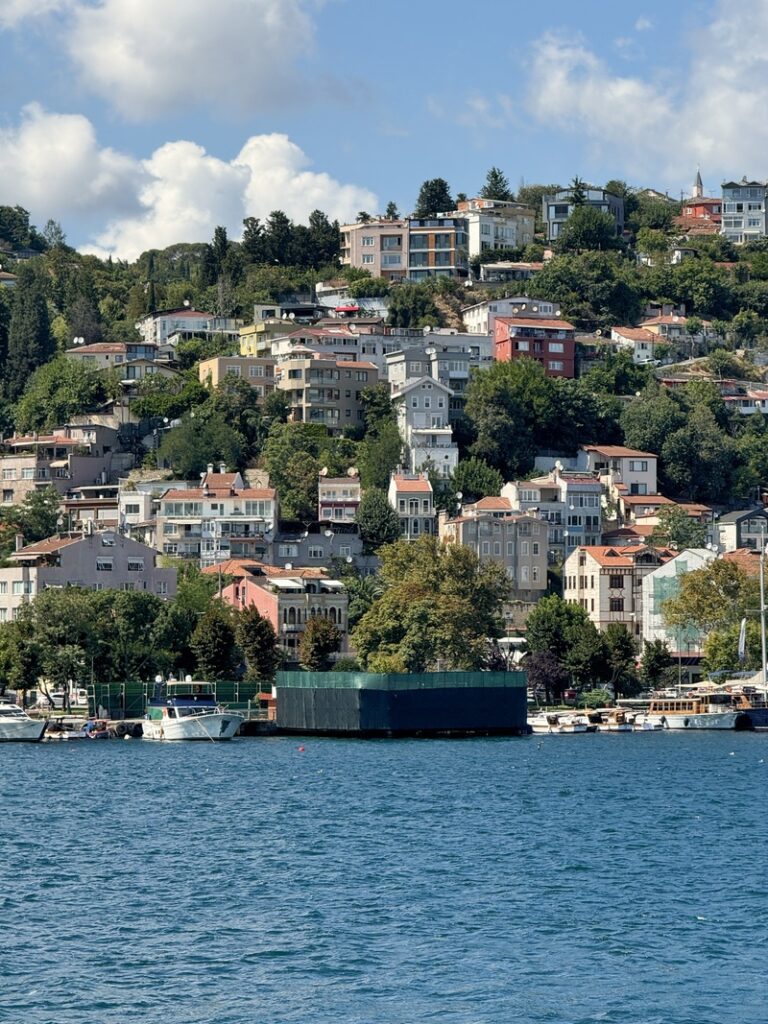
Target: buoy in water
[(301, 749)]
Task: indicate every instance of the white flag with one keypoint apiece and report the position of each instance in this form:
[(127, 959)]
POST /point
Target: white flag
[(743, 640)]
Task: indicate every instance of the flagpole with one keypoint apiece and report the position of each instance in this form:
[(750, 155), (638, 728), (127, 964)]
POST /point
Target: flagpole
[(762, 610)]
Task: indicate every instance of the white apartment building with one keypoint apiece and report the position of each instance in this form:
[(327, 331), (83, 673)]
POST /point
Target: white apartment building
[(615, 465), (156, 328), (570, 504), (422, 407), (496, 224), (219, 520), (338, 498), (662, 584), (410, 495), (481, 317)]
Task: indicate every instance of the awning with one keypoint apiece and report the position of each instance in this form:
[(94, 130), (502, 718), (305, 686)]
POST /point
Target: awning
[(287, 584), (59, 463)]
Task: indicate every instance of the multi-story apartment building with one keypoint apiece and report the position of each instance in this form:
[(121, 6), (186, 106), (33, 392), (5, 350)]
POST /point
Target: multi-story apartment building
[(745, 529), (422, 409), (289, 598), (518, 543), (325, 390), (607, 582), (90, 507), (410, 495), (221, 519), (744, 211), (481, 317), (550, 342), (338, 497), (337, 340), (413, 248), (557, 208), (617, 466), (569, 503), (96, 560), (256, 338), (662, 584), (157, 328), (112, 355), (257, 371), (496, 224), (70, 457)]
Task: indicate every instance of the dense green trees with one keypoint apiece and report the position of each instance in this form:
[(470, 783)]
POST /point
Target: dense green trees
[(434, 197), (213, 643), (496, 186), (59, 390), (475, 479), (30, 341), (36, 518), (258, 641), (439, 606), (377, 520), (188, 448), (320, 640), (588, 228), (677, 527)]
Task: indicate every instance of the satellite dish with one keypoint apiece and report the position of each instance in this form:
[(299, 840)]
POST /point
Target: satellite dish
[(427, 329), (291, 316), (598, 332), (288, 565)]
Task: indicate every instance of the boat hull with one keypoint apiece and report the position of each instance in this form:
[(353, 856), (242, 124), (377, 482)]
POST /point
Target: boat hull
[(217, 726), (695, 720), (28, 730)]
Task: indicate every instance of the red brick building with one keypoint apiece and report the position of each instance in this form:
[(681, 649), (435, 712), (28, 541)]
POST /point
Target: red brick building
[(550, 342)]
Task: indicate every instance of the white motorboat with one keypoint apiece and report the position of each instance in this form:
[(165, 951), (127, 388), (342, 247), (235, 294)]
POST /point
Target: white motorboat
[(552, 722), (189, 711), (614, 720), (17, 726)]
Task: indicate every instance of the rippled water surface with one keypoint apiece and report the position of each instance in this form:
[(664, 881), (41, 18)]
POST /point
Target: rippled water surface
[(554, 879)]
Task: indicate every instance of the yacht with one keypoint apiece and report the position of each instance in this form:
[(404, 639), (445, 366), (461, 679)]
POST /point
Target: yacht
[(558, 722), (189, 710), (16, 725), (711, 711)]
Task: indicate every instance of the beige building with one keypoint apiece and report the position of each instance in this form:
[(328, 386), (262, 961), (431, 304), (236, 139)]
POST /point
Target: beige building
[(259, 372), (607, 582), (414, 248), (338, 497), (325, 390), (496, 224), (70, 457), (103, 560)]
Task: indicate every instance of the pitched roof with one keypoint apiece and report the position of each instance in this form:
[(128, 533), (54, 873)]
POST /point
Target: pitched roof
[(650, 500), (99, 348), (45, 547), (609, 555), (747, 559), (232, 567), (492, 502), (636, 334), (355, 364)]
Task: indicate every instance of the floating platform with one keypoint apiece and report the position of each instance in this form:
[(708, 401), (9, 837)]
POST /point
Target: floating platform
[(423, 704)]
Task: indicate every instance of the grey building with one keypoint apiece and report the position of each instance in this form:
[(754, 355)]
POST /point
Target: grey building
[(557, 208), (744, 210)]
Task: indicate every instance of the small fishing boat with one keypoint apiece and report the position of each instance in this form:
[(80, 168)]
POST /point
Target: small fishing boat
[(614, 720), (189, 710), (16, 726), (558, 722)]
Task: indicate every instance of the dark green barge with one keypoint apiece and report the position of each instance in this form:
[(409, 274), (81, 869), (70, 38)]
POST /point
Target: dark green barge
[(423, 704)]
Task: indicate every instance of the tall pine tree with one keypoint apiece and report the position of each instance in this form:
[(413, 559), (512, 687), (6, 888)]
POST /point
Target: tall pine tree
[(30, 341)]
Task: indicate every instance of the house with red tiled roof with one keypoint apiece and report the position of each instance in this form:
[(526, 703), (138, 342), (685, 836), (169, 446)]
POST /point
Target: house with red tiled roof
[(410, 495), (645, 346), (96, 560), (220, 520), (615, 464), (605, 581)]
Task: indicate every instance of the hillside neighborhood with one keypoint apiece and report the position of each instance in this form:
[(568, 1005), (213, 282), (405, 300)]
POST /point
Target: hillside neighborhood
[(569, 384)]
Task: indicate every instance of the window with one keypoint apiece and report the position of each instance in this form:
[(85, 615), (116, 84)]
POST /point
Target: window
[(390, 260), (3, 614), (617, 604), (486, 547), (556, 346), (135, 565), (496, 548), (556, 364), (104, 564), (161, 588), (367, 240), (535, 548), (367, 258), (345, 551), (535, 573), (9, 474), (132, 510), (315, 552), (233, 370), (255, 371), (524, 574), (638, 466), (510, 548), (128, 586), (616, 582), (28, 474), (288, 550), (23, 587), (523, 547), (3, 586)]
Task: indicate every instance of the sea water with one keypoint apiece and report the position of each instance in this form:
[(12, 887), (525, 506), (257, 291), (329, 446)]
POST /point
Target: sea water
[(606, 878)]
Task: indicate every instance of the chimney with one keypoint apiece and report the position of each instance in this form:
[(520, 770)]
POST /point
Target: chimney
[(210, 467), (19, 541), (222, 467)]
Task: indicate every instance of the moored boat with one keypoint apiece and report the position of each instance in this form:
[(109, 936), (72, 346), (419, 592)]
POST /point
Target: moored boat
[(189, 710), (614, 720), (551, 722), (713, 711), (16, 726)]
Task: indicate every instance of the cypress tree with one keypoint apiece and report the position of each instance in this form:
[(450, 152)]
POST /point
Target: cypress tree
[(30, 341)]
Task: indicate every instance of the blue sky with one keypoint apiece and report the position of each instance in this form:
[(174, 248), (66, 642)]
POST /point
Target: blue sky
[(138, 123)]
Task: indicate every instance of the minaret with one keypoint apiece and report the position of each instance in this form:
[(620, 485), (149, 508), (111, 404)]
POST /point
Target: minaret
[(698, 188)]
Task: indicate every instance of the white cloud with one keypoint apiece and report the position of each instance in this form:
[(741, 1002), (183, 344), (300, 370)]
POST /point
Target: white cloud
[(12, 12), (710, 112), (52, 164), (147, 58), (643, 25)]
